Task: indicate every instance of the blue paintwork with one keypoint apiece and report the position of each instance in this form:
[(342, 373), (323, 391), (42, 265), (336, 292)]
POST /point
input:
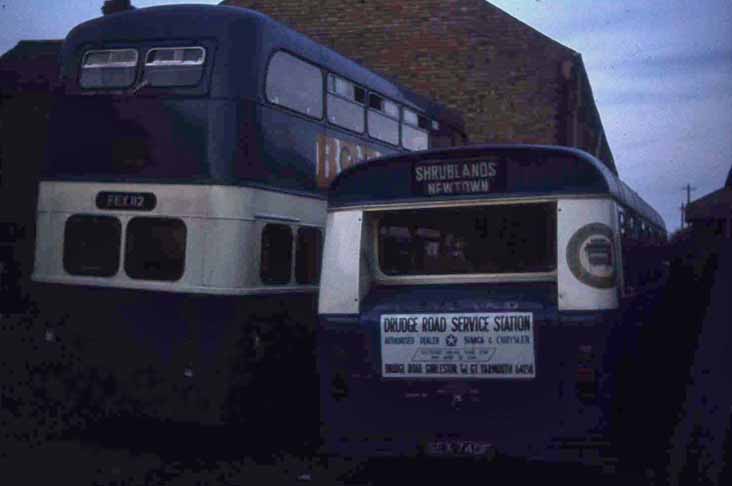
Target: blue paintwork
[(522, 418), (531, 170), (225, 123), (128, 333)]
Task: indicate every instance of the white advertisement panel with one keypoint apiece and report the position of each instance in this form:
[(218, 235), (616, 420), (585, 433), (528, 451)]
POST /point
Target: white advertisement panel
[(459, 345)]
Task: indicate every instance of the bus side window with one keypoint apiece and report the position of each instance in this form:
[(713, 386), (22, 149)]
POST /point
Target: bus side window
[(414, 131), (308, 254), (346, 104), (276, 254), (295, 84), (383, 119)]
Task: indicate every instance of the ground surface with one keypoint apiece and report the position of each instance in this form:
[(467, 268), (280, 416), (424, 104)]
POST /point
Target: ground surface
[(680, 430)]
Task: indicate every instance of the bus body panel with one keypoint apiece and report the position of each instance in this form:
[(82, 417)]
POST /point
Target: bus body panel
[(575, 215), (462, 256), (342, 271), (368, 414), (188, 357), (223, 225)]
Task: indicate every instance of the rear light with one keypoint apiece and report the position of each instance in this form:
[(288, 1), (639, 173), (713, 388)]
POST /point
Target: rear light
[(585, 374)]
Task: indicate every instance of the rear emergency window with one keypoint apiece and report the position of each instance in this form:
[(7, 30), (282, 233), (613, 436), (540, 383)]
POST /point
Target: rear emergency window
[(155, 249), (91, 245), (487, 239)]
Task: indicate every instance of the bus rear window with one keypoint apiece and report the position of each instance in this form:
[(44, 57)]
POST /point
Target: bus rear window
[(517, 238), (112, 68), (174, 66), (91, 245), (155, 249)]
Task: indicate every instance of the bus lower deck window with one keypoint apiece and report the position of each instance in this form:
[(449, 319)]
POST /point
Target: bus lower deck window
[(489, 239), (155, 248), (308, 255), (91, 245), (276, 254)]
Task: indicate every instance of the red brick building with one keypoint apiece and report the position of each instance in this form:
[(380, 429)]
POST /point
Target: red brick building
[(512, 83)]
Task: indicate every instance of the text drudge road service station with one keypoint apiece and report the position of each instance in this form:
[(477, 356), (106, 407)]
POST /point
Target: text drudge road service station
[(466, 345)]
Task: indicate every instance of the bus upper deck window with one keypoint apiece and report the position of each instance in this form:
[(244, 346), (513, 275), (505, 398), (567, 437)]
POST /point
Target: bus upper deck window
[(111, 68), (174, 66), (294, 84), (346, 104), (414, 131), (383, 119)]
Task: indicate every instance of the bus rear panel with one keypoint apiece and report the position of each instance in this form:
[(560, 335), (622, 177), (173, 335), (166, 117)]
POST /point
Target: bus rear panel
[(478, 318)]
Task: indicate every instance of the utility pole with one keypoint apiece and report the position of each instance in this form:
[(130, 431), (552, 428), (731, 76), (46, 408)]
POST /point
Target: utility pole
[(682, 207), (688, 190)]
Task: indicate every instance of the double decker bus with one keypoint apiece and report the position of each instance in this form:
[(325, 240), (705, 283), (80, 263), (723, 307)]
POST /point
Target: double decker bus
[(474, 304), (181, 212)]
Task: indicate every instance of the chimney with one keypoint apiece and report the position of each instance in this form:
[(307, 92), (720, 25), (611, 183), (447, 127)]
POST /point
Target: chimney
[(114, 6)]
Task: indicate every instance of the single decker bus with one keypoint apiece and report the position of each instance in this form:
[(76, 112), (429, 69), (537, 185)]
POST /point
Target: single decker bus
[(472, 303)]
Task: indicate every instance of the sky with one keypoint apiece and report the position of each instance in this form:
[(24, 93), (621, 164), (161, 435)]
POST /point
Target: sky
[(660, 70)]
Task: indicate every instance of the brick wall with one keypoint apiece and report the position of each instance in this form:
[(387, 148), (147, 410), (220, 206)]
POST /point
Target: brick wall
[(505, 77)]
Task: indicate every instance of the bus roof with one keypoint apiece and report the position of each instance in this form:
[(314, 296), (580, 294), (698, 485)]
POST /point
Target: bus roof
[(247, 40), (482, 172)]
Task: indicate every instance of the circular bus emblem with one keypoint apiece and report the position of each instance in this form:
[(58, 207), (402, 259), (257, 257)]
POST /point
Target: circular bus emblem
[(590, 256)]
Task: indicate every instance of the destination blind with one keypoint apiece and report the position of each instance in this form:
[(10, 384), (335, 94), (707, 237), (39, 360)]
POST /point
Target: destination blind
[(482, 176)]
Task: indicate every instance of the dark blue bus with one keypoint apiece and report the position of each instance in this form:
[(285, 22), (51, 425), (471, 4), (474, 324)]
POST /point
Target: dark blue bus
[(181, 212), (474, 304)]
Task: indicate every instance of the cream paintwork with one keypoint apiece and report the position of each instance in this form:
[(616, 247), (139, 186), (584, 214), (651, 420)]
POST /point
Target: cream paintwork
[(349, 268), (572, 215), (223, 231), (341, 282)]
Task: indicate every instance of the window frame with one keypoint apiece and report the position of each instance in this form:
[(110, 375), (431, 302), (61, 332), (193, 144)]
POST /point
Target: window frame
[(374, 220), (328, 93), (134, 66), (414, 126), (185, 248), (268, 282), (385, 115), (321, 239), (151, 49), (120, 233), (292, 110), (149, 69)]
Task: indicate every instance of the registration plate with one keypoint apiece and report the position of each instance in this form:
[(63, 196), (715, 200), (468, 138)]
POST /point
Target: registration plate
[(460, 448)]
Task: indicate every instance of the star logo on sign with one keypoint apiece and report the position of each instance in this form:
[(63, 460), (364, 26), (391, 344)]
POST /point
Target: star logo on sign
[(451, 340)]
